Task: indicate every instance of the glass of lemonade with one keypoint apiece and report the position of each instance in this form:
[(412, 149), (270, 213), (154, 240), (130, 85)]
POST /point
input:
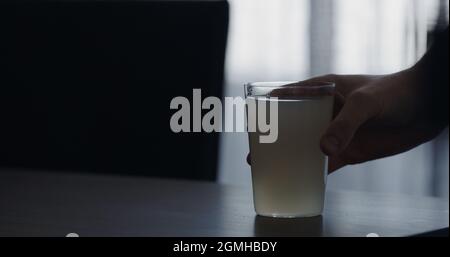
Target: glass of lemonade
[(289, 175)]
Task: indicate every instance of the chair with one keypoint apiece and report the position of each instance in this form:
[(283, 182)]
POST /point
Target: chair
[(86, 85)]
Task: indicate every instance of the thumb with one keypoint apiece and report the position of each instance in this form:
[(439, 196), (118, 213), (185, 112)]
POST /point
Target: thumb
[(359, 107)]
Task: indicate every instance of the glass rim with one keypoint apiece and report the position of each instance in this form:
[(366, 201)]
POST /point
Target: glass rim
[(289, 84), (290, 89)]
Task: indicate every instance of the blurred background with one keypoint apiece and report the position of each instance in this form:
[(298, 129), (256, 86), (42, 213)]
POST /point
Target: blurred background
[(273, 40)]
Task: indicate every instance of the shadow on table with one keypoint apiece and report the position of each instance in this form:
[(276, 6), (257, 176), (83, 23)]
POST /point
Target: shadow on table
[(266, 226)]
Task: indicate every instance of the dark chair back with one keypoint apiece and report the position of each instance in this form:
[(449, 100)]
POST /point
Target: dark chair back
[(86, 85)]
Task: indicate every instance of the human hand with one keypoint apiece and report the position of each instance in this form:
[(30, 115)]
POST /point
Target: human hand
[(374, 117)]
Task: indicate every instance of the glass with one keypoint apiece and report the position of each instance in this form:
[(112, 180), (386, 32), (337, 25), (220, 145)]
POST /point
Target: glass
[(289, 175)]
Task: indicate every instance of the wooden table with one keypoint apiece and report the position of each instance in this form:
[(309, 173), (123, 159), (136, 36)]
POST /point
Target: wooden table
[(55, 204)]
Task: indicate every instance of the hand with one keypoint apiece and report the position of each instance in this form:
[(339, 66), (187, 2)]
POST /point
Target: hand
[(375, 117)]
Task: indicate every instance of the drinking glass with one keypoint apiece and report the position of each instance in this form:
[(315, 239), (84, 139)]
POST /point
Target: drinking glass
[(289, 175)]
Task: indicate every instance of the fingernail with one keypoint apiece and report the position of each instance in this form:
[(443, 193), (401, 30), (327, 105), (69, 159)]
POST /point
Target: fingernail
[(331, 145)]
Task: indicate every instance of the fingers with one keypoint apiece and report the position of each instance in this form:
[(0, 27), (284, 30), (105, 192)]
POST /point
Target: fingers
[(293, 91), (326, 79), (318, 86), (314, 87), (358, 108)]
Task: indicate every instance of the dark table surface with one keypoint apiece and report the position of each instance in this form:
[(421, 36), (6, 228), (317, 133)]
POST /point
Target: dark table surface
[(55, 204)]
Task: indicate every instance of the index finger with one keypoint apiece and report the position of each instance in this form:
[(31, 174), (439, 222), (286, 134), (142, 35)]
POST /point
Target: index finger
[(319, 86)]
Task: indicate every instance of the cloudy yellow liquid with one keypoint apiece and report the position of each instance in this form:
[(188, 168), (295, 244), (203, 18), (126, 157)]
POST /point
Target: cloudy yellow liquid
[(289, 176)]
